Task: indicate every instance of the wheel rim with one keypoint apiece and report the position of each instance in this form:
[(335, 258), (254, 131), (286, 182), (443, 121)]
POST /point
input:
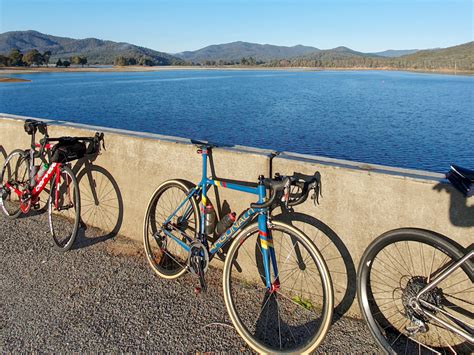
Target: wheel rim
[(292, 316), (63, 217), (396, 273), (166, 256), (15, 172)]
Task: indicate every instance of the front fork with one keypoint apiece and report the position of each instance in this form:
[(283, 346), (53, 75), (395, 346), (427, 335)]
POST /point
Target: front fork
[(268, 254)]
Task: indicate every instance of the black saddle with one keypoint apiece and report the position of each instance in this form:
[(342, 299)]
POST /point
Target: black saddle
[(203, 145), (462, 179), (466, 173), (31, 126)]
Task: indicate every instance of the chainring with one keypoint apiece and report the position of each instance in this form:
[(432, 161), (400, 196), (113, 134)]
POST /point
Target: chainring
[(198, 258)]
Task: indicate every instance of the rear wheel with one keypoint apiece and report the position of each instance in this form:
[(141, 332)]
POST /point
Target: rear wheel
[(15, 172), (164, 253), (392, 271), (64, 209), (294, 315)]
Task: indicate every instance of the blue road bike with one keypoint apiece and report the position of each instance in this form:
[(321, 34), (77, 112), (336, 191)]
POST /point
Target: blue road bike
[(277, 287)]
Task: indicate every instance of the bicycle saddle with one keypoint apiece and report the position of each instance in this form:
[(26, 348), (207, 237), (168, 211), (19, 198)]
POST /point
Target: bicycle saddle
[(465, 173), (31, 126), (202, 145), (462, 179)]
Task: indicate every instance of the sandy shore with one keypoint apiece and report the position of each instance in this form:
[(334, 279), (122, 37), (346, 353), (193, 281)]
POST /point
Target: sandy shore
[(12, 80), (138, 68)]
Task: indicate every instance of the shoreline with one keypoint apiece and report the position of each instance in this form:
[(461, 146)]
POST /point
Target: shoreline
[(4, 79), (113, 69)]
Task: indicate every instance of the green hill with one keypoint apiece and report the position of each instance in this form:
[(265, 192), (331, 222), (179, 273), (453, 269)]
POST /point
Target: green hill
[(97, 51), (235, 51), (460, 57)]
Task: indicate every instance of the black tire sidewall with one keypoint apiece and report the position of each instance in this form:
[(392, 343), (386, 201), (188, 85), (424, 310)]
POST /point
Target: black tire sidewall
[(77, 202), (363, 273)]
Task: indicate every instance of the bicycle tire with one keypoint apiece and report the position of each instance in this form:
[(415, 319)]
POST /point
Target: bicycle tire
[(62, 229), (384, 328), (298, 307), (164, 261), (5, 205)]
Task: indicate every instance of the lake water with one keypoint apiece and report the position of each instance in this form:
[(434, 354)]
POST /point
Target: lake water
[(411, 120)]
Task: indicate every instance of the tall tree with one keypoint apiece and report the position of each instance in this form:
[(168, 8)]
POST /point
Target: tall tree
[(15, 57), (33, 57), (3, 60), (75, 60), (83, 61), (46, 57)]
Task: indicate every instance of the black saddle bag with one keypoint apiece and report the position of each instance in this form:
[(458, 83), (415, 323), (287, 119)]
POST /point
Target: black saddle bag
[(68, 149), (460, 182)]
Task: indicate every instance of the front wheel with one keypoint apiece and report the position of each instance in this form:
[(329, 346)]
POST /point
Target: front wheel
[(393, 270), (294, 315), (64, 209), (15, 172)]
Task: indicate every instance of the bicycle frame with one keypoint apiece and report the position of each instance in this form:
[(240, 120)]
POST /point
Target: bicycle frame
[(439, 278), (54, 168), (265, 238)]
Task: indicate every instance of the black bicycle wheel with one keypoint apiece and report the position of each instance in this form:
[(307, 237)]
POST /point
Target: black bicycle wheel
[(15, 171), (295, 315), (64, 209), (166, 257), (392, 271)]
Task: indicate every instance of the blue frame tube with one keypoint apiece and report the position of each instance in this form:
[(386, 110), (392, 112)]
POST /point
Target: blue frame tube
[(269, 258)]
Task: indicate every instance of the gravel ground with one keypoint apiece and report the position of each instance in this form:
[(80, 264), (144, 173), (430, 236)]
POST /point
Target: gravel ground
[(102, 297)]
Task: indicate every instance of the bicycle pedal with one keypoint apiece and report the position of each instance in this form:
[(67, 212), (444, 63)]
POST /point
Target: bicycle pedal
[(198, 290)]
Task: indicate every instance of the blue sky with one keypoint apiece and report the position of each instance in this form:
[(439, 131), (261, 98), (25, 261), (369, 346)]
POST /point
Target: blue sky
[(174, 25)]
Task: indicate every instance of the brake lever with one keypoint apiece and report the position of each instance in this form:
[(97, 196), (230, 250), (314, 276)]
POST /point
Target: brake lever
[(316, 187), (286, 194)]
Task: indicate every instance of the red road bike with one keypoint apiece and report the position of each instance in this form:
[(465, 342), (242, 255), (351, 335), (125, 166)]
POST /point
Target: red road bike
[(22, 183)]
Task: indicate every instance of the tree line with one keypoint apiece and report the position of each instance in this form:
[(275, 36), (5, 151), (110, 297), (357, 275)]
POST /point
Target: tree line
[(33, 57), (124, 61), (17, 59)]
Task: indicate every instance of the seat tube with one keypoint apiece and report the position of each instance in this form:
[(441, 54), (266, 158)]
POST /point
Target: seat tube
[(32, 160), (203, 187)]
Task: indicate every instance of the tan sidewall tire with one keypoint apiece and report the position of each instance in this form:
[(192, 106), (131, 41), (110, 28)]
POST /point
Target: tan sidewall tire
[(185, 185), (326, 282)]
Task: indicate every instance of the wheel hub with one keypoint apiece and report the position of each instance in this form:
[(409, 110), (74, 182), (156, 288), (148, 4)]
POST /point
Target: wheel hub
[(410, 302)]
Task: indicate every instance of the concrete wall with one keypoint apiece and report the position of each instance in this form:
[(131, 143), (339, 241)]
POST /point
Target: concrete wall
[(359, 201)]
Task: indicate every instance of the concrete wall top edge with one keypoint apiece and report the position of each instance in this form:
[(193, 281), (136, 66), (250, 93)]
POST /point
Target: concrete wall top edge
[(382, 169), (372, 168), (155, 136)]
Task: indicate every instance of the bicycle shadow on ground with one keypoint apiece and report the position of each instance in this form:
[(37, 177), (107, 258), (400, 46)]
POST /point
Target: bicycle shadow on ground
[(337, 256), (461, 208), (101, 203), (335, 253), (3, 153), (276, 324)]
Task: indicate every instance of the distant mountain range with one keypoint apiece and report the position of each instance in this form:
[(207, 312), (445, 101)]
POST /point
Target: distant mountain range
[(244, 53), (97, 51), (393, 53), (265, 52), (236, 50)]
